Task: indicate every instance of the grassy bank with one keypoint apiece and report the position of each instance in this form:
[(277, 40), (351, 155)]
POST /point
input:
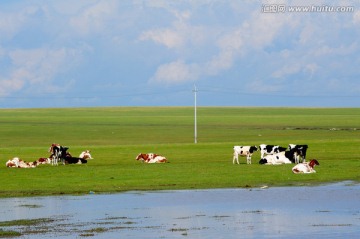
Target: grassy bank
[(116, 135)]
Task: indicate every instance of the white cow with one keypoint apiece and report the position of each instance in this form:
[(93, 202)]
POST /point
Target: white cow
[(243, 151), (305, 167), (275, 159)]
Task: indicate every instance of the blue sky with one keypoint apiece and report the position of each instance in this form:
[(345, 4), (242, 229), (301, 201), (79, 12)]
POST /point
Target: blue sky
[(66, 53)]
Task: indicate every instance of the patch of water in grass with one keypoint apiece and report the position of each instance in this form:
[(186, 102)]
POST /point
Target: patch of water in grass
[(282, 212)]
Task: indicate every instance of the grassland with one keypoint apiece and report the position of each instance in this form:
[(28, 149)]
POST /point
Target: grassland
[(115, 135)]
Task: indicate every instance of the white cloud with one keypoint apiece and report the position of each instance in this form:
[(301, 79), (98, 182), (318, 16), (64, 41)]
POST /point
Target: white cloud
[(94, 18), (176, 72), (11, 24), (37, 67), (287, 70), (169, 38), (356, 17), (229, 42), (179, 35), (257, 32), (263, 86)]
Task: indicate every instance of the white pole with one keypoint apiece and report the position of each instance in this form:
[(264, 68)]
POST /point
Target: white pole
[(195, 122)]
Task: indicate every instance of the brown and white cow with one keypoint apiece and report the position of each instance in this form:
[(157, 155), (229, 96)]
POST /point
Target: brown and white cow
[(151, 158), (16, 162), (305, 167), (85, 155)]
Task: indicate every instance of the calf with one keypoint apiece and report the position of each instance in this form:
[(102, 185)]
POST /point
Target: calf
[(270, 149), (300, 152), (305, 167), (243, 151)]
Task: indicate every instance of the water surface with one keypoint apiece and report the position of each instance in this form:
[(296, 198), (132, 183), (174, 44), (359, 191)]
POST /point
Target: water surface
[(327, 211)]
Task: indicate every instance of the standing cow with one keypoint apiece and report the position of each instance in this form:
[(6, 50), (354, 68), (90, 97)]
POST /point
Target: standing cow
[(301, 152), (243, 151), (58, 152), (270, 149)]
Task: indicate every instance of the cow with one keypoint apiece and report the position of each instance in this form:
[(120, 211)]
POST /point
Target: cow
[(58, 152), (74, 160), (275, 159), (289, 157), (305, 167), (13, 163), (42, 161), (16, 162), (270, 149), (69, 159), (151, 158), (85, 155), (243, 151), (301, 152)]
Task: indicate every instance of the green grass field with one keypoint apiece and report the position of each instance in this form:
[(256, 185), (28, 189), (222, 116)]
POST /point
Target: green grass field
[(116, 135)]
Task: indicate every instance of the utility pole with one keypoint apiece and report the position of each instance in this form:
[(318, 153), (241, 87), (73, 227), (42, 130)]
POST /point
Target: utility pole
[(195, 122)]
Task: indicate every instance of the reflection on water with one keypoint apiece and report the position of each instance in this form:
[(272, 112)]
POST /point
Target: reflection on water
[(296, 212)]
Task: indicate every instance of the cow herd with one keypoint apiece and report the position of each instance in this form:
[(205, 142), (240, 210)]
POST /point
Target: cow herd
[(270, 155), (58, 154), (275, 154)]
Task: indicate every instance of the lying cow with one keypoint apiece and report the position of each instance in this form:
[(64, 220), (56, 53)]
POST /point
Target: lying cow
[(284, 157), (243, 151), (275, 159), (19, 163), (85, 155), (69, 159), (270, 149), (305, 167), (43, 161), (151, 158), (301, 152)]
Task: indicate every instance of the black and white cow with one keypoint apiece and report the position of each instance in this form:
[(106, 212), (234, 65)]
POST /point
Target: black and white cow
[(284, 157), (275, 159), (243, 151), (270, 149), (74, 160), (300, 152), (58, 152)]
